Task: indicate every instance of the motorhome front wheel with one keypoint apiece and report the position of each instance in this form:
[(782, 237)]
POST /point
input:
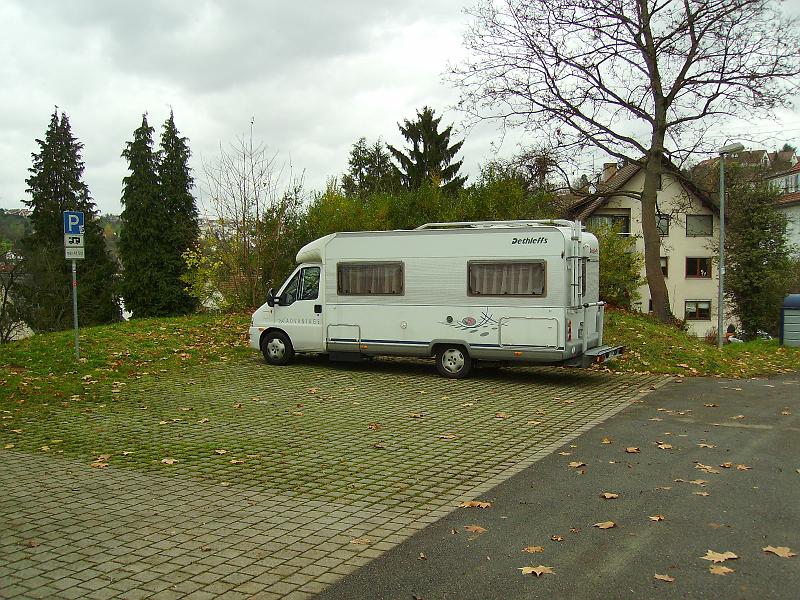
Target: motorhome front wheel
[(453, 362), (276, 348)]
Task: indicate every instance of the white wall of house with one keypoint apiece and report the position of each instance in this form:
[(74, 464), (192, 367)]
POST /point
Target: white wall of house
[(792, 213), (676, 248)]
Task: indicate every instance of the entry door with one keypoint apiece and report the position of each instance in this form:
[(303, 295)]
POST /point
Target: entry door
[(300, 311)]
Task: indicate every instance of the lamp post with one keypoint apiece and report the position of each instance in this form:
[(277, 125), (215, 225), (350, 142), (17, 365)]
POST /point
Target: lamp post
[(721, 296)]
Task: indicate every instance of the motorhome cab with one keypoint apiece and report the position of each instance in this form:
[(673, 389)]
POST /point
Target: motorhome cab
[(500, 291)]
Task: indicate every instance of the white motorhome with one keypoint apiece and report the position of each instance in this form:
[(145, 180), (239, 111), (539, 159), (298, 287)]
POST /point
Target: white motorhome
[(497, 291)]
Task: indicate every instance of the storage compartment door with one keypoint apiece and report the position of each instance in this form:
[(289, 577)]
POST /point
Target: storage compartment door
[(529, 331)]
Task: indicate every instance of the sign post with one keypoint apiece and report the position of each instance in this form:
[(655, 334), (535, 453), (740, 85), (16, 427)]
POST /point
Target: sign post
[(73, 249)]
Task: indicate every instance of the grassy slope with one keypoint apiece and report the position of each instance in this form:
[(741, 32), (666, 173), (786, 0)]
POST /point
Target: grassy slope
[(655, 348), (43, 369)]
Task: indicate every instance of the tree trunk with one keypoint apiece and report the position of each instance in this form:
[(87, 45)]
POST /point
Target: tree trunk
[(652, 240)]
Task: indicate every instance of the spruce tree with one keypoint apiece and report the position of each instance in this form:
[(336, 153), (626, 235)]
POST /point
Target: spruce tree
[(430, 156), (370, 171), (145, 281), (181, 230), (56, 185)]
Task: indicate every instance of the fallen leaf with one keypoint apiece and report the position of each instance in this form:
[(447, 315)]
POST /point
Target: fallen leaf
[(533, 549), (606, 440), (781, 551), (718, 557), (664, 446), (221, 451), (203, 420), (225, 483), (706, 468), (720, 570), (742, 468), (297, 413), (704, 445), (416, 415), (501, 415), (701, 494), (738, 417), (569, 401), (656, 517), (475, 504), (609, 495), (313, 390), (534, 422), (99, 465), (168, 461), (538, 571), (711, 405), (562, 453), (447, 436), (475, 529), (236, 462), (237, 405), (557, 538), (786, 413), (422, 556), (655, 419), (605, 525), (362, 541), (126, 452), (632, 450), (576, 464), (663, 578), (163, 422), (379, 445), (8, 446)]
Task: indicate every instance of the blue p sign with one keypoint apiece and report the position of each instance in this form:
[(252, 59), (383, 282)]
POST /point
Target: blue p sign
[(73, 222)]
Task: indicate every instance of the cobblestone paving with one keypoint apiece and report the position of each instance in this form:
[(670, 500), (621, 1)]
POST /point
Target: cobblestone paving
[(324, 469)]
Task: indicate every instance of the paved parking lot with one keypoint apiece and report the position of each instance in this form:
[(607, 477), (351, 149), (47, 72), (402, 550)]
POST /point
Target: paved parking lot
[(281, 480)]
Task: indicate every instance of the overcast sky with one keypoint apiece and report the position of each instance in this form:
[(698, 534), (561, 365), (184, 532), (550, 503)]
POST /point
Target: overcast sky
[(314, 76)]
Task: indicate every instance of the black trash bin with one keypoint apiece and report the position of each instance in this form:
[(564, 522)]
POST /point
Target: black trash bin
[(790, 321)]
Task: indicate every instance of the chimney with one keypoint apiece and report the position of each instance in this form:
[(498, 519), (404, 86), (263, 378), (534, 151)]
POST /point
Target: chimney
[(609, 170)]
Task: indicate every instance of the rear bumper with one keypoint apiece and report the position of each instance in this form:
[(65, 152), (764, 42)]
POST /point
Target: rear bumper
[(595, 356)]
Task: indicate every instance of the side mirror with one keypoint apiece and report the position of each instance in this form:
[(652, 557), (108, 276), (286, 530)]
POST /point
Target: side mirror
[(271, 297)]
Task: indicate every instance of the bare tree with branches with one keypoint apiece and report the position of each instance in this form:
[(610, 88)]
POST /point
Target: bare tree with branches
[(641, 80), (252, 209)]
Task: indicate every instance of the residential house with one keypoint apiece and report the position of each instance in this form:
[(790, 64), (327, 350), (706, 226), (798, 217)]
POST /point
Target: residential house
[(689, 225), (788, 182)]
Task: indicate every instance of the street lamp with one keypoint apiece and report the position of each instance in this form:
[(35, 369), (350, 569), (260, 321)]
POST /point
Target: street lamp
[(721, 298)]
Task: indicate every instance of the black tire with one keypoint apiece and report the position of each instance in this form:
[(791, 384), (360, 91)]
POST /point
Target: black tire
[(277, 348), (453, 362)]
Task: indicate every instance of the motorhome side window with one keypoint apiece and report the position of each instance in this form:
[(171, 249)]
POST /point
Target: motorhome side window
[(489, 278), (370, 279)]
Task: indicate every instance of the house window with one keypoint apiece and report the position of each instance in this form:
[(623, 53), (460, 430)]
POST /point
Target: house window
[(506, 278), (621, 222), (699, 225), (698, 267), (370, 279), (665, 265), (662, 224), (698, 310)]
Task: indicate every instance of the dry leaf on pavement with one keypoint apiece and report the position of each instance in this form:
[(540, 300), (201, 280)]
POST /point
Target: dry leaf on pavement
[(718, 557), (533, 549), (606, 440), (609, 495), (701, 494), (664, 446), (663, 577), (475, 504), (538, 571), (168, 461), (221, 451), (475, 529), (742, 468), (577, 464), (656, 517), (557, 538), (447, 436), (501, 415), (720, 570), (704, 445), (632, 450), (605, 525), (781, 551)]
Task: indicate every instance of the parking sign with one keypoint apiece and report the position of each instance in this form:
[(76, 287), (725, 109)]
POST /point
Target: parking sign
[(73, 222)]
